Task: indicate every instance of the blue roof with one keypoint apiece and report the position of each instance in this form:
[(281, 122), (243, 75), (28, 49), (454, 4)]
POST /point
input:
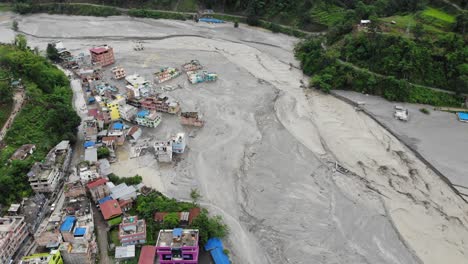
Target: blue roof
[(215, 246), (177, 232), (143, 113), (80, 231), (68, 223), (105, 199), (219, 257), (213, 243), (88, 144), (118, 126), (462, 116), (211, 20)]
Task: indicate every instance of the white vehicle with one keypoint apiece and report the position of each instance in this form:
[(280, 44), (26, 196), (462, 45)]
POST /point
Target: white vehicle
[(401, 113)]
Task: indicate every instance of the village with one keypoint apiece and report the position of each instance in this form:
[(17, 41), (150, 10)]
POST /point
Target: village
[(75, 195)]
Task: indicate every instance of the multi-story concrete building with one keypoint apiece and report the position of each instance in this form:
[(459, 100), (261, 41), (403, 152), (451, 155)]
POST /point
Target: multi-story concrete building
[(178, 143), (48, 234), (113, 110), (98, 189), (148, 119), (53, 257), (103, 55), (128, 112), (177, 246), (45, 177), (161, 103), (13, 232), (76, 253), (163, 151), (132, 231)]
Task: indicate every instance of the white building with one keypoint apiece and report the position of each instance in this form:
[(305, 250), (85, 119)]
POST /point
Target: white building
[(13, 232), (128, 112), (163, 151)]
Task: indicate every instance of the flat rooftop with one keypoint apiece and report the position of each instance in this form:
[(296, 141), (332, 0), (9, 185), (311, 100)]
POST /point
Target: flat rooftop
[(129, 227), (176, 238)]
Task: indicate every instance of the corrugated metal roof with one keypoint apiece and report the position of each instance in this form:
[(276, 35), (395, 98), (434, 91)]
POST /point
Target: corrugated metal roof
[(68, 224)]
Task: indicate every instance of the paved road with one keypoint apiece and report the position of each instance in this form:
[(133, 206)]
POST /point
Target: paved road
[(101, 228), (18, 99)]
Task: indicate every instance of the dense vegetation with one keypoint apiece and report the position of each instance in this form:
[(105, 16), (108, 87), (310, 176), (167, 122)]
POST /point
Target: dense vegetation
[(127, 180), (407, 49), (157, 202), (46, 119), (65, 8), (157, 14)]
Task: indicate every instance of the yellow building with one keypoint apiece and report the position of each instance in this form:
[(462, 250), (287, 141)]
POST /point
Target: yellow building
[(53, 257), (114, 107)]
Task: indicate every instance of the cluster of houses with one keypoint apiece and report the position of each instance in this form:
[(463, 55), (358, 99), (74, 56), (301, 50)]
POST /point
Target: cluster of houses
[(67, 232)]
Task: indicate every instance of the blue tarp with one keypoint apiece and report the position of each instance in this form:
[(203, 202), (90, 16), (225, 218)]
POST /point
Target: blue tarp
[(117, 126), (462, 116), (105, 199), (177, 232), (210, 20), (68, 223), (80, 231), (215, 246), (143, 113), (219, 257), (91, 100), (89, 144)]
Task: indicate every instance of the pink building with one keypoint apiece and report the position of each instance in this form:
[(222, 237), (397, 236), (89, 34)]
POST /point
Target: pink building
[(177, 246), (102, 55), (132, 231)]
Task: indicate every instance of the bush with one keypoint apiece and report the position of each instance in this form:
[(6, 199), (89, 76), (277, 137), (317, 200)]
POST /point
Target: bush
[(157, 14), (424, 111), (236, 24), (66, 8), (103, 152), (137, 179)]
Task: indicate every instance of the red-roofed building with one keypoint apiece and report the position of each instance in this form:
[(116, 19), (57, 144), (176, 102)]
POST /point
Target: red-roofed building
[(98, 189), (111, 212), (126, 205), (102, 55), (147, 255), (93, 112)]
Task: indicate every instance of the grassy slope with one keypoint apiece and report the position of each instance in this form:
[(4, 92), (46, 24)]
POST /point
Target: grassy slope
[(5, 7), (434, 21), (5, 110)]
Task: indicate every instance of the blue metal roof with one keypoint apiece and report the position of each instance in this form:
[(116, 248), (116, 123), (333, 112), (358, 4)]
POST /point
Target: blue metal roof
[(463, 116), (105, 199), (215, 246), (118, 126), (68, 223), (177, 232), (89, 144), (211, 20), (80, 231), (219, 257), (143, 113)]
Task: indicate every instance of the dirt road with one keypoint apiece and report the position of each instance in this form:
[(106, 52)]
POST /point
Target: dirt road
[(18, 101)]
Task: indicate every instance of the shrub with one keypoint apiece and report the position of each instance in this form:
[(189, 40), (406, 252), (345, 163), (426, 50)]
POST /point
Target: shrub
[(236, 24), (424, 111)]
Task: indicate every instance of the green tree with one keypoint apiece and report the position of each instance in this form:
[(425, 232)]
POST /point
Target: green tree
[(195, 195), (14, 25), (461, 23), (103, 152), (210, 226), (52, 53), (21, 42), (171, 220), (418, 31)]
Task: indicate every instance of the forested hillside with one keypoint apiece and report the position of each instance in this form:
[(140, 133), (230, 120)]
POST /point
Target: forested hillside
[(403, 54), (46, 119)]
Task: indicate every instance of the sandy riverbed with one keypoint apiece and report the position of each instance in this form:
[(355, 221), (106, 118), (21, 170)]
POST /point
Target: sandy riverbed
[(265, 158)]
